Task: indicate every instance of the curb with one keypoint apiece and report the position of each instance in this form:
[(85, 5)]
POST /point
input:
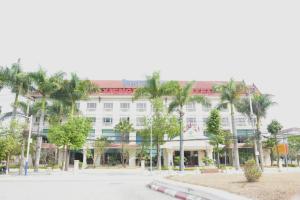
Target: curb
[(186, 191), (174, 193)]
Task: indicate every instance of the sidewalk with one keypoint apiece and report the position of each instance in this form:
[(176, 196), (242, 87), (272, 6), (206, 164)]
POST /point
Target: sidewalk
[(186, 191)]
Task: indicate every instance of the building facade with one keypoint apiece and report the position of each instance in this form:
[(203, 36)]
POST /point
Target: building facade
[(115, 102)]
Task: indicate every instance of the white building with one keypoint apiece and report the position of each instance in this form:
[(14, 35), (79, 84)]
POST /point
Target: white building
[(115, 102)]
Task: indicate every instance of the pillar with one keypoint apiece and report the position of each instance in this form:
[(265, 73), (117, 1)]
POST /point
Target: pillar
[(168, 158), (98, 160), (84, 152), (267, 157), (60, 157), (201, 155), (132, 157)]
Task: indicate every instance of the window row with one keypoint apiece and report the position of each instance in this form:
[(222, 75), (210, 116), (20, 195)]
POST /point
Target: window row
[(91, 106), (108, 121)]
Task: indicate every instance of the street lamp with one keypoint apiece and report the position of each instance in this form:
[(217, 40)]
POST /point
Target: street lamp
[(28, 141), (28, 145)]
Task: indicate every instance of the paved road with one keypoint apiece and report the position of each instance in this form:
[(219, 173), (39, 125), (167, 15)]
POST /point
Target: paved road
[(87, 185)]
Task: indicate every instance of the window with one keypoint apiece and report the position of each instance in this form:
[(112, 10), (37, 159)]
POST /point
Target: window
[(92, 133), (244, 135), (91, 106), (92, 119), (225, 121), (124, 118), (191, 121), (107, 121), (124, 106), (206, 108), (108, 106), (191, 107), (141, 107), (140, 121), (240, 121), (204, 120)]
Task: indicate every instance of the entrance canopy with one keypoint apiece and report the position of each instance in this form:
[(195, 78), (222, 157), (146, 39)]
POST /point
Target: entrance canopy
[(193, 141)]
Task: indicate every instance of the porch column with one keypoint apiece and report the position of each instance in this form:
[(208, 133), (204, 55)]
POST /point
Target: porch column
[(132, 157), (98, 161), (84, 151), (201, 155), (267, 157), (60, 157), (168, 158), (209, 153)]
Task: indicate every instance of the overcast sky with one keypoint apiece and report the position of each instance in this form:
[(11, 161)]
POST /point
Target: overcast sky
[(255, 41)]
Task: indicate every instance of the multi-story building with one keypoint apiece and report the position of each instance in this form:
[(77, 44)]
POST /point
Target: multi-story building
[(115, 102)]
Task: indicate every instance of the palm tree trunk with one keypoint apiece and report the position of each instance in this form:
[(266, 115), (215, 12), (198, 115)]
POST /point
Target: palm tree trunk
[(181, 167), (7, 164), (260, 149), (15, 106), (277, 150), (236, 159), (39, 137), (158, 155), (122, 155)]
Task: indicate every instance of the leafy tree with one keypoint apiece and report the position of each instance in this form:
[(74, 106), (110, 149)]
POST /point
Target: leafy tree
[(182, 96), (215, 133), (71, 135), (10, 141), (163, 124), (274, 128), (294, 147), (45, 86), (270, 143), (123, 127), (261, 103), (230, 94), (99, 149), (154, 90)]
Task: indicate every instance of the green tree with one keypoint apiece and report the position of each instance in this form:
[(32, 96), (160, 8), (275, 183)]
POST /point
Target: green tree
[(45, 86), (270, 143), (162, 124), (294, 147), (18, 81), (274, 128), (155, 89), (74, 90), (261, 103), (124, 127), (215, 133), (230, 95), (183, 96), (99, 149), (10, 141), (71, 135)]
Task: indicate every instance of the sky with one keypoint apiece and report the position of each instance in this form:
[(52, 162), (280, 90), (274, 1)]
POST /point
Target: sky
[(255, 41)]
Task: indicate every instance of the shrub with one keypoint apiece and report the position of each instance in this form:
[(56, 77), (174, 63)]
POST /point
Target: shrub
[(207, 161), (252, 171)]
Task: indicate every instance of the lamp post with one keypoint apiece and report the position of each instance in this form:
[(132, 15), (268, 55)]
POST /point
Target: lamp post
[(28, 145)]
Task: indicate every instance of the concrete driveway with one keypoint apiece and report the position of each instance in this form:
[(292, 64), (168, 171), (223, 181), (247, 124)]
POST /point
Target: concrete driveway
[(85, 185)]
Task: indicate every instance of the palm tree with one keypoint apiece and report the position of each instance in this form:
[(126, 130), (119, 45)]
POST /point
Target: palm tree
[(261, 103), (74, 90), (123, 127), (154, 90), (181, 98), (230, 94), (45, 86), (18, 81)]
